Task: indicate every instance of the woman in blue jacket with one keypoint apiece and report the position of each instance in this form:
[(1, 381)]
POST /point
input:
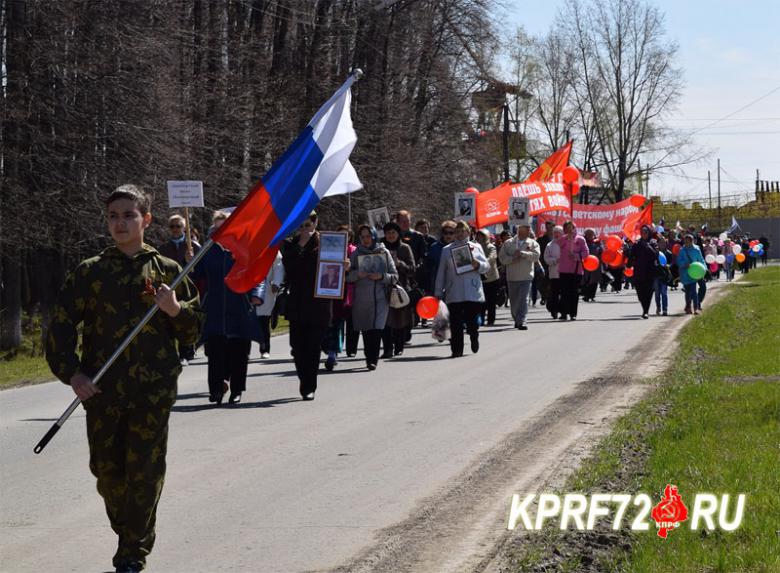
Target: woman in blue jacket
[(690, 253)]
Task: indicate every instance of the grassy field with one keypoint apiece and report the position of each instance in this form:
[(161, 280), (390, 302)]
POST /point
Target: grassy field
[(27, 366), (712, 425)]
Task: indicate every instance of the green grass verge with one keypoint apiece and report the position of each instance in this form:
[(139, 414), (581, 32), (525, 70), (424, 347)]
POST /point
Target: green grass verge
[(712, 425), (27, 366), (722, 433)]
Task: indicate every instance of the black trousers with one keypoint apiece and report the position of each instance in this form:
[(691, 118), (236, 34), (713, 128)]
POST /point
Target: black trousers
[(228, 358), (644, 292), (351, 335), (463, 313), (306, 343), (589, 291), (554, 296), (570, 293), (265, 333), (393, 340), (489, 308), (372, 340), (186, 352)]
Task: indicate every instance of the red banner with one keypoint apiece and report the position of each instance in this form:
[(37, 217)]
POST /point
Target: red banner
[(492, 205), (605, 219), (544, 188)]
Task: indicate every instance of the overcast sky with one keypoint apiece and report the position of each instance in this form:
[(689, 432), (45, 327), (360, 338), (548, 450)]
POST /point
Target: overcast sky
[(730, 55)]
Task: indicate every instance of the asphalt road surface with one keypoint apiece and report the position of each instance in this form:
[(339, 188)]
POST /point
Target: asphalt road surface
[(277, 484)]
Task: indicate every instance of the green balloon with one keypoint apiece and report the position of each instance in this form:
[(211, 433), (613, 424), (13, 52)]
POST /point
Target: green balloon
[(697, 270)]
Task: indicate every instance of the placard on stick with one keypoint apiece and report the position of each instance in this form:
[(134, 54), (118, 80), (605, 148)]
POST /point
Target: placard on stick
[(185, 194)]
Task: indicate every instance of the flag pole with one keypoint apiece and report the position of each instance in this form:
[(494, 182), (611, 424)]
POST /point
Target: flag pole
[(125, 343)]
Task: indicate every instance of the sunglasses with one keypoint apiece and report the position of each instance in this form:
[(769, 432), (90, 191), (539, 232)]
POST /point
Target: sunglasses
[(175, 226), (448, 232)]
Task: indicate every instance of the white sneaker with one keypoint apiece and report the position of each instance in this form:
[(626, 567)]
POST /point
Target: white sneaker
[(184, 362), (265, 355)]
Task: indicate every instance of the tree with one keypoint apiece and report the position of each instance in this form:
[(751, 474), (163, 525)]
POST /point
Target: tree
[(626, 82)]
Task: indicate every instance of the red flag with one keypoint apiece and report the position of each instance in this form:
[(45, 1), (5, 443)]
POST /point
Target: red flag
[(552, 167), (633, 226)]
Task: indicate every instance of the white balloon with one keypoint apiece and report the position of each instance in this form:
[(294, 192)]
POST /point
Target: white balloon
[(723, 236), (756, 248), (720, 259), (709, 259), (737, 249)]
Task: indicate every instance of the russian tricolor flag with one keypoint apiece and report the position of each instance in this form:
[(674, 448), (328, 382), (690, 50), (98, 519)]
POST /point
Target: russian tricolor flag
[(316, 165)]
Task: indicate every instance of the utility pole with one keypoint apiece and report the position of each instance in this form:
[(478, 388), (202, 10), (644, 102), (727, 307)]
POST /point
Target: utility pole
[(709, 187), (758, 182), (506, 141), (719, 191)]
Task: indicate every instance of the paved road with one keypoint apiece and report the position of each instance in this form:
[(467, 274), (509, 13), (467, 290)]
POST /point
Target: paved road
[(277, 484)]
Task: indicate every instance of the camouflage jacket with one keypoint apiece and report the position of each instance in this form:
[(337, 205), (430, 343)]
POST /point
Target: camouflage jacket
[(108, 295)]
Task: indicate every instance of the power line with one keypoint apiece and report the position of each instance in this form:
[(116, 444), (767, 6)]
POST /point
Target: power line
[(744, 107)]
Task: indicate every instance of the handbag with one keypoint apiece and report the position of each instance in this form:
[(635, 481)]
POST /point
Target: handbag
[(398, 297)]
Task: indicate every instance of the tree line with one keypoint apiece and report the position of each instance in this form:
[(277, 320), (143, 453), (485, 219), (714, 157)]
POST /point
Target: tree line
[(96, 94)]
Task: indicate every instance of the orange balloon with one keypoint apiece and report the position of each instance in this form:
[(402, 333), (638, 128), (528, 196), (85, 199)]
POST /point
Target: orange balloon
[(676, 249), (427, 307), (614, 242), (591, 263), (570, 174), (637, 200), (740, 257), (575, 189), (629, 272)]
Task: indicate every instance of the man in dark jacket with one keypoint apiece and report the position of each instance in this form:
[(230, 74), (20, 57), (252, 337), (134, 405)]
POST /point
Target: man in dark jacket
[(176, 249), (308, 316)]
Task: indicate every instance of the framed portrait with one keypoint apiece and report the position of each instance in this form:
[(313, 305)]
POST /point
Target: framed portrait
[(377, 218), (465, 207), (372, 263), (333, 246), (518, 211), (330, 280), (461, 257)]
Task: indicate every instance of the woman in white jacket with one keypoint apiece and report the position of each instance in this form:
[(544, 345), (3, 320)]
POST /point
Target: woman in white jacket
[(552, 254), (268, 291)]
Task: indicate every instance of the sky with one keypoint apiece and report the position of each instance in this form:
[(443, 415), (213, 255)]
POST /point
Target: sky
[(729, 52)]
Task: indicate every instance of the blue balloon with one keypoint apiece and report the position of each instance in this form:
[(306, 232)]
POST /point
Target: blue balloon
[(662, 258), (761, 253), (730, 258)]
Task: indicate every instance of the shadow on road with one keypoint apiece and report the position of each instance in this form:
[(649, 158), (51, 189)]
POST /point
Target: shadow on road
[(191, 396), (417, 358), (239, 406)]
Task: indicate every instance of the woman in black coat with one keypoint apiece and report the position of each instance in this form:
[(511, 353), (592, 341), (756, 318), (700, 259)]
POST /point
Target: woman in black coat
[(643, 258), (398, 319), (308, 316)]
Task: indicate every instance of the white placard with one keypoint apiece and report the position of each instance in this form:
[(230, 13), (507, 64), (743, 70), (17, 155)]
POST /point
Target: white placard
[(465, 207), (518, 211), (185, 194)]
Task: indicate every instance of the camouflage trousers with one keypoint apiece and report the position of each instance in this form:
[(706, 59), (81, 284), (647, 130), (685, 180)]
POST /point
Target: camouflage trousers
[(127, 447)]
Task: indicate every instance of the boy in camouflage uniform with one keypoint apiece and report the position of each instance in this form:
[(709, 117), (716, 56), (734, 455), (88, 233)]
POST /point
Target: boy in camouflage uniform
[(127, 415)]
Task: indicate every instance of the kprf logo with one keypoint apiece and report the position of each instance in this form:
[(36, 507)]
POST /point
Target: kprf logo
[(669, 512)]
